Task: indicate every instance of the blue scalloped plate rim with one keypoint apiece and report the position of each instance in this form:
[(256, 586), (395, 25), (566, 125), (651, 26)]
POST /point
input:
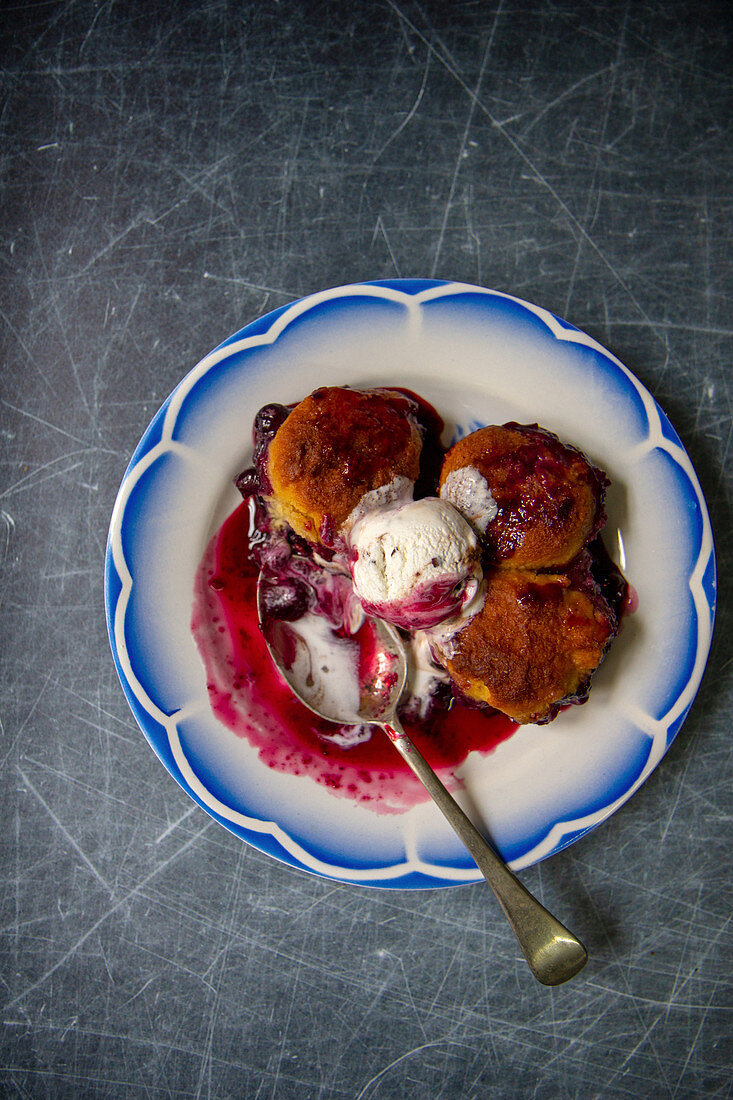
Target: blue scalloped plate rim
[(422, 313)]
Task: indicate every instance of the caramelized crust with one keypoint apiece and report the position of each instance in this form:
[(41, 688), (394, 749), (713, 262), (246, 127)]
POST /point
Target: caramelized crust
[(335, 446), (532, 647), (550, 498)]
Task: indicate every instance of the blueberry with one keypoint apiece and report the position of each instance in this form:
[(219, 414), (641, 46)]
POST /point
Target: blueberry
[(286, 600)]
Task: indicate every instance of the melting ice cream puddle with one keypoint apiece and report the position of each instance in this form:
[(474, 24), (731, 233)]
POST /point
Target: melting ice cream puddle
[(322, 664), (350, 679)]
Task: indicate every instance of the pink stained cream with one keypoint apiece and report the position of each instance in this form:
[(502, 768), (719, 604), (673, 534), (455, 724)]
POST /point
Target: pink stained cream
[(428, 606), (249, 696)]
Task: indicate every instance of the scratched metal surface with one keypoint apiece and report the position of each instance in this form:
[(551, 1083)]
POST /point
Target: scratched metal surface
[(170, 172)]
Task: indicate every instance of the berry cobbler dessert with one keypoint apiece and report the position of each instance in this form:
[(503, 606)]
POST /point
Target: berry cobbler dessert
[(487, 557)]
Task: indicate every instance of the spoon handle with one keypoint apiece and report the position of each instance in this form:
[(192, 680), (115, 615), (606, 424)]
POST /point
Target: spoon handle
[(553, 953)]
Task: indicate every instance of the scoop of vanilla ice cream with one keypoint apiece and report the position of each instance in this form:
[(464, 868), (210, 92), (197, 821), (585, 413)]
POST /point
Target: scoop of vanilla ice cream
[(415, 565)]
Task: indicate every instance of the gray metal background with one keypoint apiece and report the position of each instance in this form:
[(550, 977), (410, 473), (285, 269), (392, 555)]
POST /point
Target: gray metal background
[(169, 172)]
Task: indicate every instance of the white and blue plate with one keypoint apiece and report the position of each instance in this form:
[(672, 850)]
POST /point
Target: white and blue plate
[(479, 357)]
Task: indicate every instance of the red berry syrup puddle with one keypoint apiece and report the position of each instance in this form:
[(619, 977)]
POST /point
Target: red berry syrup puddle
[(249, 696)]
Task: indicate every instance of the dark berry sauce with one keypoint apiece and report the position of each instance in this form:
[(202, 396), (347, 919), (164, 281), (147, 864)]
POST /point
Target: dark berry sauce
[(254, 479), (250, 697), (431, 426)]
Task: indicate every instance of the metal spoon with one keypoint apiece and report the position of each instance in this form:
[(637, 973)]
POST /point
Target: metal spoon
[(553, 953)]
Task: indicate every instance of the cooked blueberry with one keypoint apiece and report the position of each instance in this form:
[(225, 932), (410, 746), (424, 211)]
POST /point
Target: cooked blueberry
[(286, 600)]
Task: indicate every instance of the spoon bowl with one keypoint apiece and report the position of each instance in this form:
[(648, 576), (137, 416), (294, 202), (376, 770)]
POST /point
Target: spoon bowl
[(553, 953)]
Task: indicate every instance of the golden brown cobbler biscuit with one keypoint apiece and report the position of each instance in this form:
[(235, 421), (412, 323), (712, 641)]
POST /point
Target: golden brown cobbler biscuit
[(336, 445), (550, 498), (535, 643)]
